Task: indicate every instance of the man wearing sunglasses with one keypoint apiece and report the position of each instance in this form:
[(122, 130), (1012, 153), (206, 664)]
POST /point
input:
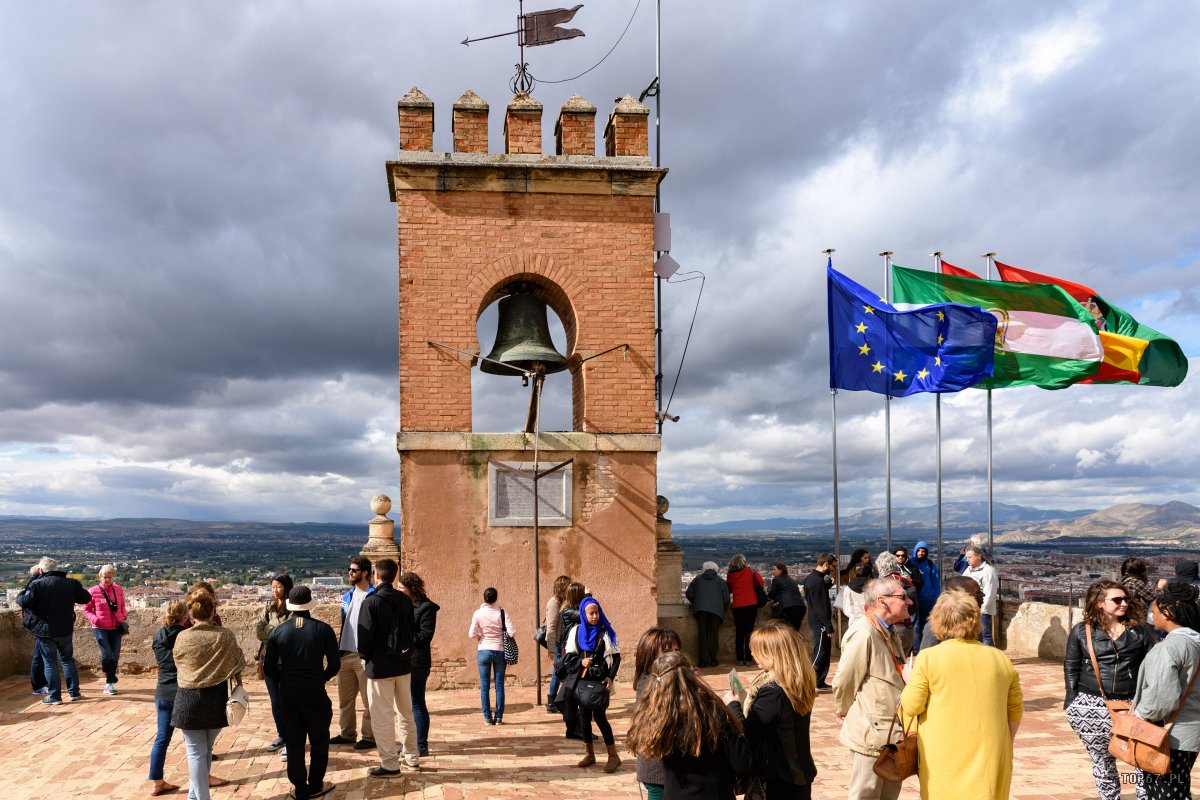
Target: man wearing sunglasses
[(867, 687), (351, 679)]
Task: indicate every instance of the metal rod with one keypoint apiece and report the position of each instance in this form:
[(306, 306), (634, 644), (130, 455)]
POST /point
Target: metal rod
[(538, 378), (837, 536), (518, 370), (658, 282), (604, 353), (937, 260), (990, 494), (887, 404)]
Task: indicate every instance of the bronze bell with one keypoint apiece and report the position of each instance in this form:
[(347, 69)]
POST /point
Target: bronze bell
[(523, 338)]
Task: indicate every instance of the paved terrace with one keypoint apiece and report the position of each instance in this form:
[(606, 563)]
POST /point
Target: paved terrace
[(99, 747)]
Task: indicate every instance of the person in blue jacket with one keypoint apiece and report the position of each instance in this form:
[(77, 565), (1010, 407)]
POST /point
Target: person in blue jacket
[(927, 594)]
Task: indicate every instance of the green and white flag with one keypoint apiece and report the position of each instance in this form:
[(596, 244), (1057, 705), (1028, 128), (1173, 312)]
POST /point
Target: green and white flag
[(1043, 336)]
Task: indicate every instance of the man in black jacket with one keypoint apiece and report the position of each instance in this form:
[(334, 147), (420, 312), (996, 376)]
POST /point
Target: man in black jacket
[(49, 603), (820, 615), (386, 634), (302, 656)]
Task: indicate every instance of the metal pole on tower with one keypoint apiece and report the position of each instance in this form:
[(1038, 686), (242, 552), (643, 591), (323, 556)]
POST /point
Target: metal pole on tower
[(887, 404)]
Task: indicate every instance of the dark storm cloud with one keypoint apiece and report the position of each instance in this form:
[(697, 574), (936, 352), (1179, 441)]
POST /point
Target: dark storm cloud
[(198, 257)]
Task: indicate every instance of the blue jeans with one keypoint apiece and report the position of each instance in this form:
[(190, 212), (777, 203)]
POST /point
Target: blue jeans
[(37, 669), (51, 649), (920, 620), (199, 745), (110, 652), (558, 654), (416, 685), (491, 668), (273, 693), (985, 635), (158, 753)]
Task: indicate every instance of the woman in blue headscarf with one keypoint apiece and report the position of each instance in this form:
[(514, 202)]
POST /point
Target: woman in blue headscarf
[(592, 656)]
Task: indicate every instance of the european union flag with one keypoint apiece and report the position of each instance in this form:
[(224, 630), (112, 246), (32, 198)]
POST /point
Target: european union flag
[(942, 347)]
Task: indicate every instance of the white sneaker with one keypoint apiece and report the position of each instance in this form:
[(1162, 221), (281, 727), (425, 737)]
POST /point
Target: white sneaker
[(108, 689), (412, 760), (283, 754)]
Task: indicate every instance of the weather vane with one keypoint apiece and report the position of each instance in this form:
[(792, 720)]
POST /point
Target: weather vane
[(534, 28)]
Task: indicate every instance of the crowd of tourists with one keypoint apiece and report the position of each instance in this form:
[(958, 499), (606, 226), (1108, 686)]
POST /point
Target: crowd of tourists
[(917, 655)]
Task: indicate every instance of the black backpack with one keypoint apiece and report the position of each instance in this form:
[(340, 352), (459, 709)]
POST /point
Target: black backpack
[(400, 636)]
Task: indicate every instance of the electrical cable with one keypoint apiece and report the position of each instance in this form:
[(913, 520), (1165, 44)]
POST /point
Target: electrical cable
[(606, 55), (702, 278)]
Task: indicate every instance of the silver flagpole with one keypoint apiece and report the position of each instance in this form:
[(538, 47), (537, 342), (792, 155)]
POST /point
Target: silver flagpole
[(887, 404), (990, 257), (837, 534), (937, 262)]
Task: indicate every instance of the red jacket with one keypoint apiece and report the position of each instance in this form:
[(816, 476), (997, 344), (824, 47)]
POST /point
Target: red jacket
[(98, 612), (741, 586)]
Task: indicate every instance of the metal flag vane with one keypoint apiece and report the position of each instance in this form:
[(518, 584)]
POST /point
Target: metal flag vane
[(533, 29)]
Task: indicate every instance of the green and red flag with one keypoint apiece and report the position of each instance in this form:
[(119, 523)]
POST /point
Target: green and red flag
[(1133, 352), (1044, 337)]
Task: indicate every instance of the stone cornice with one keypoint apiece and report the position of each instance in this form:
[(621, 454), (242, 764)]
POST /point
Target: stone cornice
[(492, 172), (552, 442)]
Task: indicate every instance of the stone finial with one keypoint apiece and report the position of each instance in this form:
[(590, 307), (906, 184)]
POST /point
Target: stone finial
[(575, 130), (381, 504), (662, 506), (626, 133), (469, 124), (523, 126), (415, 110)]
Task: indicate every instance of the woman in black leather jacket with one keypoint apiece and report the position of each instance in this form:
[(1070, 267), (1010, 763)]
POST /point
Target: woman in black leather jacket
[(1119, 644)]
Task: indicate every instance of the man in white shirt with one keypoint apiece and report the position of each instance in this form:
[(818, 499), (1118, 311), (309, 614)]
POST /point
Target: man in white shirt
[(984, 574), (351, 680)]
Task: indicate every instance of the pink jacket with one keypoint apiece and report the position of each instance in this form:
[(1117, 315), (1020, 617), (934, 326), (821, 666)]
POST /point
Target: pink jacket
[(485, 626), (98, 612)]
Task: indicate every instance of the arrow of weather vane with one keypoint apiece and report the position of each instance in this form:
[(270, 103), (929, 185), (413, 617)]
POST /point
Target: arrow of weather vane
[(535, 28)]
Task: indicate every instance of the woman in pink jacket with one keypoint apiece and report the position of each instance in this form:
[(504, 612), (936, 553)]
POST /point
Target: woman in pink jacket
[(488, 626), (106, 612)]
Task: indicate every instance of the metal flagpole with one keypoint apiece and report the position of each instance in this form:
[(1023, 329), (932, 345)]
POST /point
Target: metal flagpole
[(990, 257), (837, 531), (658, 281), (887, 403), (937, 261)]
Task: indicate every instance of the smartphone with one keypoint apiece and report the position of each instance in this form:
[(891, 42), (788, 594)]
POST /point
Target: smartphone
[(735, 685)]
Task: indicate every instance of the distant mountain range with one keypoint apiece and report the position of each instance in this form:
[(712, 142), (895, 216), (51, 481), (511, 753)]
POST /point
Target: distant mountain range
[(956, 516), (1170, 523)]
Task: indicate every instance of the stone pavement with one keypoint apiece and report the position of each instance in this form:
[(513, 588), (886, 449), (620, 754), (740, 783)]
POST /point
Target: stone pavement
[(99, 748)]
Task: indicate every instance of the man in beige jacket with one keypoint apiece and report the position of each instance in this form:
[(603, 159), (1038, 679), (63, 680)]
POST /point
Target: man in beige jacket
[(868, 683)]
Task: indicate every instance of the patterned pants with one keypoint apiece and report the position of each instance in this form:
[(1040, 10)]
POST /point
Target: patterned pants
[(1177, 783), (1088, 717)]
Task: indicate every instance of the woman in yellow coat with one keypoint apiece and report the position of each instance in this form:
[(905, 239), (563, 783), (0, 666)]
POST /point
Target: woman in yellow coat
[(966, 697)]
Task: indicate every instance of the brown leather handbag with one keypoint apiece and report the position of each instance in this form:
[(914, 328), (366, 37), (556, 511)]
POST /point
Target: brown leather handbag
[(1144, 744), (898, 760)]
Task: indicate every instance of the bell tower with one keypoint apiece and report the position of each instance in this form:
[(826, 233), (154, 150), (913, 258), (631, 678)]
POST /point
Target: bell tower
[(571, 231)]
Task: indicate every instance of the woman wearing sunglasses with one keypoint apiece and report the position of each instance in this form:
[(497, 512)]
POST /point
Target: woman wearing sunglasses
[(1104, 653)]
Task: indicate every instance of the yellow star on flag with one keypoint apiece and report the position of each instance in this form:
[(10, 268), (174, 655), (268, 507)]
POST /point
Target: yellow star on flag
[(864, 349), (861, 327), (923, 374), (937, 361), (900, 376), (941, 317), (877, 367), (868, 310), (940, 339)]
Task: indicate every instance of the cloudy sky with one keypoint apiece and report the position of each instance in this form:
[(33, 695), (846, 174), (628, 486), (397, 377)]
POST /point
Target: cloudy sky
[(197, 252)]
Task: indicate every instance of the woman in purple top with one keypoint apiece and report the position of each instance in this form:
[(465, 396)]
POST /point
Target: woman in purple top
[(487, 625)]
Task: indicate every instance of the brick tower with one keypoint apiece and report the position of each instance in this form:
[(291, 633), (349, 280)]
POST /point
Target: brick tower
[(576, 228)]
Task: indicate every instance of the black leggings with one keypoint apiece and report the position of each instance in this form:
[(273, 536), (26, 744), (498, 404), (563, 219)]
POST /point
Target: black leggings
[(744, 618), (586, 715)]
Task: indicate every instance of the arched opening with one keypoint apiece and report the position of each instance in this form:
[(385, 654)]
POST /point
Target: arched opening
[(499, 403)]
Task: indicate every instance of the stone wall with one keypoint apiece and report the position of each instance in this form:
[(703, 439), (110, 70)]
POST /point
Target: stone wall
[(1029, 630), (16, 645)]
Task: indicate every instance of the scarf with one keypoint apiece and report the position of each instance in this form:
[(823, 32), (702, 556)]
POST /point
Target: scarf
[(206, 655), (589, 635)]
